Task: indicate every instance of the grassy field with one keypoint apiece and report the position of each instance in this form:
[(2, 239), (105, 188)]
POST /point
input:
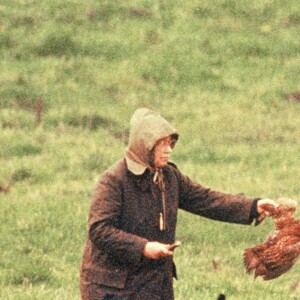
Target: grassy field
[(71, 75)]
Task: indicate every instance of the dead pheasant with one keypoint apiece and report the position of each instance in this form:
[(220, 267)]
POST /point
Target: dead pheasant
[(280, 251)]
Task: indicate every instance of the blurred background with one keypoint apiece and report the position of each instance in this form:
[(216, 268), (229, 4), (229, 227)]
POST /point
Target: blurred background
[(225, 73)]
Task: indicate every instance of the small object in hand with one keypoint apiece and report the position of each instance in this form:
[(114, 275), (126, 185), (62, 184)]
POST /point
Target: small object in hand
[(280, 251), (174, 245)]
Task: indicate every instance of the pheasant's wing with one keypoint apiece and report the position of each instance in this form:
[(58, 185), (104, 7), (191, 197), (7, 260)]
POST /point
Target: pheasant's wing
[(253, 256), (279, 258)]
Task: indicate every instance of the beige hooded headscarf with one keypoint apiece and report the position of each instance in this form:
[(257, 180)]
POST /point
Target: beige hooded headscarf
[(146, 128)]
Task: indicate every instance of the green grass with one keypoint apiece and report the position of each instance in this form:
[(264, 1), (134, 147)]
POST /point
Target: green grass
[(219, 71)]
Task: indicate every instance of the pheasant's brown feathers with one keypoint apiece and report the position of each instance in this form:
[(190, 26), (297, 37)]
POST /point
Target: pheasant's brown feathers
[(280, 251)]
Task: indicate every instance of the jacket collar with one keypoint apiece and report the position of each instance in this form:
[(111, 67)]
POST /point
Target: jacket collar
[(134, 167)]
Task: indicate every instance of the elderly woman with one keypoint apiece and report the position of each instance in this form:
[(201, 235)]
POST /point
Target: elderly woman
[(132, 221)]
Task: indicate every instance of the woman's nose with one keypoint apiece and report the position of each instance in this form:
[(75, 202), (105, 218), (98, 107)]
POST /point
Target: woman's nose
[(169, 149)]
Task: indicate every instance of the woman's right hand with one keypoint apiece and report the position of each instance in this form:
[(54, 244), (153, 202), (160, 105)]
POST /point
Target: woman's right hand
[(155, 250)]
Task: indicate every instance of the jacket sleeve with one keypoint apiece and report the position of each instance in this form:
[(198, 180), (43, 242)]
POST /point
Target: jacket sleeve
[(104, 224), (205, 202)]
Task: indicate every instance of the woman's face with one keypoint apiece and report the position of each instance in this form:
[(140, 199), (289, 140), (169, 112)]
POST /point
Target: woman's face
[(162, 151)]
